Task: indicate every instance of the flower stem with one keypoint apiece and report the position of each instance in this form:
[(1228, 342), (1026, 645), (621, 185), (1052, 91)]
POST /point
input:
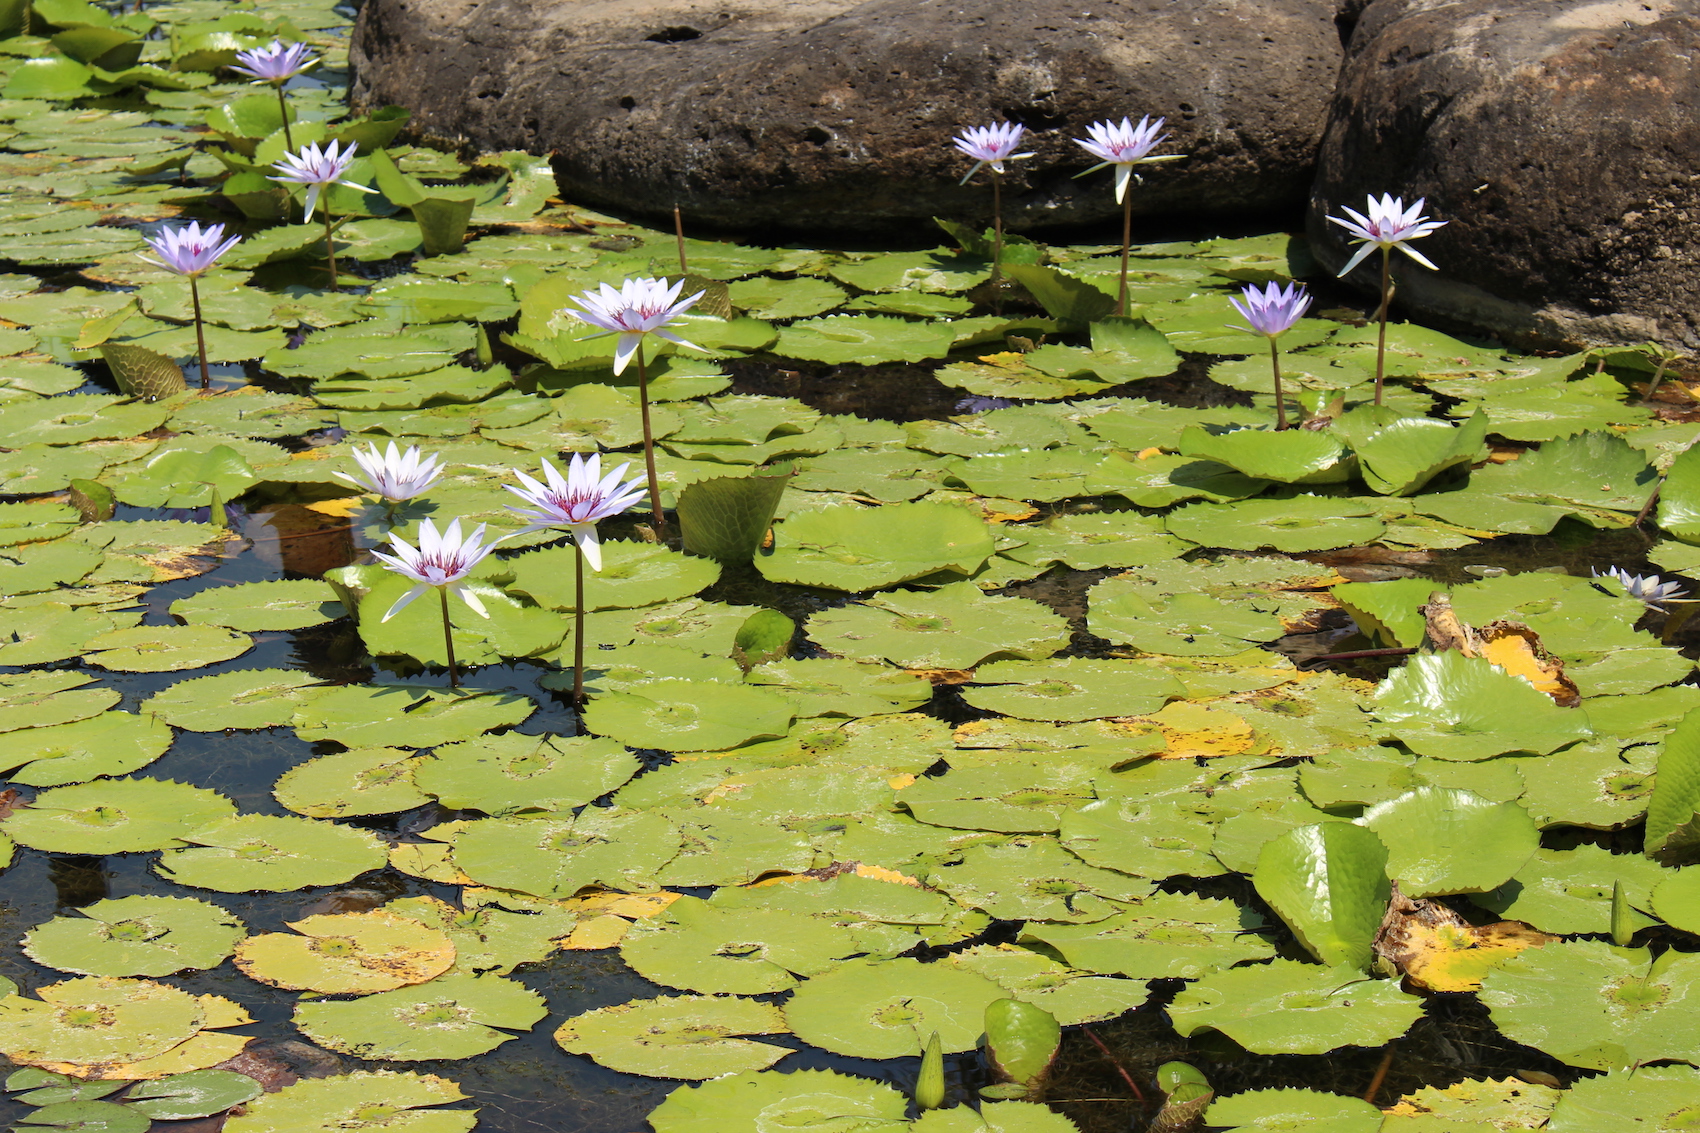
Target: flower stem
[(330, 245), (1381, 318), (1280, 402), (679, 234), (649, 446), (1127, 240), (200, 330), (578, 625), (448, 637), (997, 227), (283, 105)]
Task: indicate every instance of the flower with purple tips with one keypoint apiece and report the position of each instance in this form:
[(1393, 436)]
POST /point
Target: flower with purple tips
[(991, 145), (394, 475), (640, 307), (1389, 224), (1273, 310), (187, 250), (576, 501), (1124, 146), (277, 62), (318, 170), (441, 562)]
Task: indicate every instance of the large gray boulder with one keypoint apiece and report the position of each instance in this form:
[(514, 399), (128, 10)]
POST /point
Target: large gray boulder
[(811, 115), (1561, 141)]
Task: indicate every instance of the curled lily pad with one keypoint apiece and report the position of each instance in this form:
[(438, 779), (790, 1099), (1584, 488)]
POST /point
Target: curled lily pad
[(881, 1009), (769, 1099), (370, 1099), (115, 816), (453, 1016), (501, 774), (136, 936), (343, 953), (377, 780), (262, 852), (681, 1036)]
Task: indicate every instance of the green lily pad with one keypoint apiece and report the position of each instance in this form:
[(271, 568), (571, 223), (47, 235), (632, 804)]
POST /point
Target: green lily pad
[(199, 1093), (1142, 837), (407, 716), (558, 856), (453, 1016), (247, 698), (956, 626), (881, 1010), (1658, 1099), (761, 1099), (260, 852), (511, 772), (1122, 611), (1570, 891), (701, 947), (1327, 882), (681, 1036), (41, 699), (632, 575), (830, 686), (93, 1020), (1092, 542), (679, 715), (1298, 525), (1033, 878), (110, 744), (366, 1097), (496, 931), (1591, 1004), (1011, 796), (1286, 1007), (36, 567), (1167, 935), (1071, 689), (1454, 707), (178, 475), (115, 816), (51, 632), (136, 936), (1288, 1111), (1298, 456), (1442, 840), (253, 607), (161, 649), (864, 340), (858, 548), (352, 783)]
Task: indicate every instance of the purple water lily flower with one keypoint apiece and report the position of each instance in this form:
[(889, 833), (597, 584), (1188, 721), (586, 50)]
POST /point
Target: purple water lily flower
[(1273, 310), (187, 250), (576, 501), (1389, 225), (1124, 146), (991, 145), (277, 62), (318, 170), (640, 307)]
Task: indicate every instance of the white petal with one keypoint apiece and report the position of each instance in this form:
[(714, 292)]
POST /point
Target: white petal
[(1363, 250), (465, 594), (1124, 174), (624, 349), (589, 545), (1416, 255), (405, 599)]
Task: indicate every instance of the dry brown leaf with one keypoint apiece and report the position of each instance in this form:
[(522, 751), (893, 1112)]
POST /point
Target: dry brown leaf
[(1437, 950)]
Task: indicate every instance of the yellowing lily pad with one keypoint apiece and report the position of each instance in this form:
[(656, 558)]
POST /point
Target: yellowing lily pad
[(347, 953)]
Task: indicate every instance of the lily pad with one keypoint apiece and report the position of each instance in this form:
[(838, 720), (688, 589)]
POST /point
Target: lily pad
[(702, 947), (110, 744), (1466, 708), (347, 953), (1071, 689), (1298, 525), (256, 606), (365, 1098), (683, 1036), (1185, 625), (1286, 1007), (858, 548), (954, 627), (360, 782), (406, 715), (247, 698), (1288, 1111), (1442, 840), (160, 649), (677, 715), (763, 1099), (136, 936), (632, 575), (453, 1016), (1167, 935), (559, 856), (1658, 1099), (880, 1010), (115, 816), (262, 852), (512, 772)]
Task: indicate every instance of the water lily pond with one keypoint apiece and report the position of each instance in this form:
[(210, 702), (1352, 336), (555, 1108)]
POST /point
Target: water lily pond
[(1001, 667)]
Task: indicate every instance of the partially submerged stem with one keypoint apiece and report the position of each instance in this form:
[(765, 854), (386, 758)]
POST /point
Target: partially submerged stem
[(448, 637), (1381, 318), (679, 234), (1127, 241), (200, 331), (1280, 402), (283, 107), (578, 624), (1126, 1078), (330, 247), (649, 447), (1653, 386)]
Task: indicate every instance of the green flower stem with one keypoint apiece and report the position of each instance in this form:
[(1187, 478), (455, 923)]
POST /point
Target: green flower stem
[(1381, 318), (578, 625), (448, 637), (1280, 402), (200, 330), (649, 446), (997, 227), (283, 105), (330, 243), (679, 235), (1127, 241)]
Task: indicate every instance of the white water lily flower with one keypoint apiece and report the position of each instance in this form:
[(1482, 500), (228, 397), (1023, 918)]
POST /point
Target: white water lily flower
[(1647, 588), (317, 169), (640, 307), (1124, 146), (991, 145), (276, 63), (441, 562), (576, 501), (1389, 225), (393, 475), (187, 250)]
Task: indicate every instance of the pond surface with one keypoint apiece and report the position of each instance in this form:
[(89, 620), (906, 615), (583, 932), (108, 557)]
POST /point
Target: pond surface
[(1321, 759)]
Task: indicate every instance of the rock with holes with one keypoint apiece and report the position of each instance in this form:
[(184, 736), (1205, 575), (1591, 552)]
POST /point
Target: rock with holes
[(809, 114), (1560, 140)]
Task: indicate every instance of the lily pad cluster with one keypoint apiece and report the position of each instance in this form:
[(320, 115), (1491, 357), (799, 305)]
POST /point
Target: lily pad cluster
[(768, 820)]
